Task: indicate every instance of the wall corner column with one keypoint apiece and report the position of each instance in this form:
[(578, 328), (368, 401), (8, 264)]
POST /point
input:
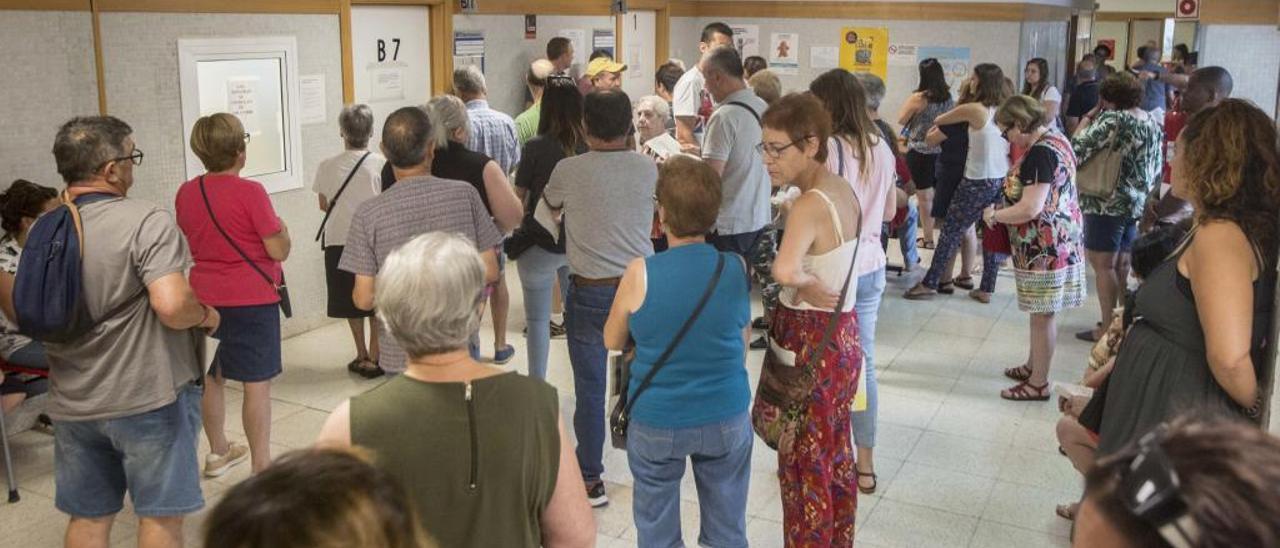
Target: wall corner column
[(442, 46), (348, 71)]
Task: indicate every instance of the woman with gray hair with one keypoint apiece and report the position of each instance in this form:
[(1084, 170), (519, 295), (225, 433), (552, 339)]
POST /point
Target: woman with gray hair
[(453, 160), (652, 139), (482, 452), (342, 183)]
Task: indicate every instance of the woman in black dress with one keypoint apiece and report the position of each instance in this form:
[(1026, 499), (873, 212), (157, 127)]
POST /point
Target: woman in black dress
[(1203, 317)]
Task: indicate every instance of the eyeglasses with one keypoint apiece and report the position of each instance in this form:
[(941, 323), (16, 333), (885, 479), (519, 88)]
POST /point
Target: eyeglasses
[(135, 157), (774, 151)]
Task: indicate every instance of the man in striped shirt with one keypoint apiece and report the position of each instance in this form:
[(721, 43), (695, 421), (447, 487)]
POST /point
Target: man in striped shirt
[(492, 133)]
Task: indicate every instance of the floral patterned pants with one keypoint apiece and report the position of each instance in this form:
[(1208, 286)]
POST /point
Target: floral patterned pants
[(819, 486)]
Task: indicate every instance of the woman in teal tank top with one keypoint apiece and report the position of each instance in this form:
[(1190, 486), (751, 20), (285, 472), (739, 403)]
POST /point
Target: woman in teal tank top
[(696, 404)]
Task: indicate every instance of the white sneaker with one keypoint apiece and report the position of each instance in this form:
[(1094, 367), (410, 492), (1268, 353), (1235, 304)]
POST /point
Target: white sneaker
[(216, 465)]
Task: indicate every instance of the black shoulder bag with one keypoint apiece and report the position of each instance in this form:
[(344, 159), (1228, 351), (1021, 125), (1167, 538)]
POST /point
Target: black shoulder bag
[(620, 417), (334, 202), (282, 290)]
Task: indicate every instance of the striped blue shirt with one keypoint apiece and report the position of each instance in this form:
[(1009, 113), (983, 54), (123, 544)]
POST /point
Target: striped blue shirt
[(493, 134)]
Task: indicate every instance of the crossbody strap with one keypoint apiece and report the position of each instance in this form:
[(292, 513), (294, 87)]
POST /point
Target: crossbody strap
[(753, 112), (839, 310), (684, 329), (231, 242), (334, 201)]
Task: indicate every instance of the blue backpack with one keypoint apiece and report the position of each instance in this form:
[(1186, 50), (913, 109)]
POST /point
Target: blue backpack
[(48, 292)]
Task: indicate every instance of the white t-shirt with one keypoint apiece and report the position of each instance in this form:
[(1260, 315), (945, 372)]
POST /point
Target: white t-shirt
[(1052, 95), (365, 184), (688, 99)]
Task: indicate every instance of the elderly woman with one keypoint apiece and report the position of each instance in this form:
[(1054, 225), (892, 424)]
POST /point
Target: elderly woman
[(228, 222), (1205, 314), (652, 138), (1044, 225), (1111, 224), (453, 160), (342, 183), (813, 264), (695, 406), (482, 452), (766, 85)]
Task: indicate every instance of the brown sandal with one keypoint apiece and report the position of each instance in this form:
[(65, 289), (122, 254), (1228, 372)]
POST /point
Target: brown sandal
[(1019, 373), (964, 282), (920, 292), (1025, 391), (874, 482)]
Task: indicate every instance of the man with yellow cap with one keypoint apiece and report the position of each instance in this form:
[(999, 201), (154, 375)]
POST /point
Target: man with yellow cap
[(604, 73)]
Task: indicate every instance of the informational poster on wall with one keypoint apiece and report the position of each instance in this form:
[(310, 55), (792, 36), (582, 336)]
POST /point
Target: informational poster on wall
[(603, 40), (386, 84), (955, 62), (824, 57), (468, 49), (865, 49), (746, 39), (784, 53), (902, 55), (634, 58), (311, 94), (577, 37)]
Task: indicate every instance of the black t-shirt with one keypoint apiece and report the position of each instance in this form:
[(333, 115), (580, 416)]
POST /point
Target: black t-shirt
[(460, 164), (388, 176), (1083, 99), (1038, 165)]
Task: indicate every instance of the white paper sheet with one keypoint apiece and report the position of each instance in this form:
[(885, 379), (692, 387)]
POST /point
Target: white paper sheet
[(311, 94), (824, 57)]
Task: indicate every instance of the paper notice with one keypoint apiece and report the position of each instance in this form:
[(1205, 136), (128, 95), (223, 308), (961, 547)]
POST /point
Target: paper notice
[(903, 55), (578, 37), (784, 53), (824, 57), (387, 84), (311, 94), (242, 101)]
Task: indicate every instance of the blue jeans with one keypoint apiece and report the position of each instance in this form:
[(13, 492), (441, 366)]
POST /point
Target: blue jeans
[(721, 454), (585, 311), (906, 237), (152, 455), (31, 356), (538, 270), (870, 291)]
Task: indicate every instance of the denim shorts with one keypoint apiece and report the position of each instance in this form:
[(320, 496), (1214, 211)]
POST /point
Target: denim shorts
[(248, 343), (151, 455), (1109, 233)]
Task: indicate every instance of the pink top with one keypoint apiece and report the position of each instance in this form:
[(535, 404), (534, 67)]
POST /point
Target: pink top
[(872, 190), (220, 276)]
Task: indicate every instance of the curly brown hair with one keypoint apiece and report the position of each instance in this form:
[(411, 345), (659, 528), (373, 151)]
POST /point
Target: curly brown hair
[(1122, 90), (1231, 164)]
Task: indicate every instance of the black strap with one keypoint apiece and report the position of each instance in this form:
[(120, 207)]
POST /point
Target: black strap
[(671, 347), (334, 201), (844, 294), (753, 112), (231, 242), (840, 157)]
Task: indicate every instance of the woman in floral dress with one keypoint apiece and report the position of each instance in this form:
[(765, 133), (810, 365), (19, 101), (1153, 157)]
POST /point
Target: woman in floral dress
[(1045, 228)]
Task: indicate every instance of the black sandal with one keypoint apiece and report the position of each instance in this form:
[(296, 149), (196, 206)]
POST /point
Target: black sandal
[(369, 369), (947, 288), (964, 282), (874, 482)]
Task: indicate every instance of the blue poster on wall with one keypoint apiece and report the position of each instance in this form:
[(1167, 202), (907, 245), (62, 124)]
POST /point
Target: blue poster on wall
[(955, 62)]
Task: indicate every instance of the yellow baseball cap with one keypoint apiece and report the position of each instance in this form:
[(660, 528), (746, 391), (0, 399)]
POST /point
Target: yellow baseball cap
[(603, 64)]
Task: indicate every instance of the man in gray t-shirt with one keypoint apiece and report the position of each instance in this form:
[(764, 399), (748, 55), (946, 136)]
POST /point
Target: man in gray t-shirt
[(416, 205), (606, 196), (126, 398), (733, 133)]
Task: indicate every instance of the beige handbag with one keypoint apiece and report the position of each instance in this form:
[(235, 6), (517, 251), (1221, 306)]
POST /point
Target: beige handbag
[(1100, 175)]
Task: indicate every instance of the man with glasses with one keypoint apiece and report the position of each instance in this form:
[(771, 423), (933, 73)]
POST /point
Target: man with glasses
[(126, 395), (730, 149)]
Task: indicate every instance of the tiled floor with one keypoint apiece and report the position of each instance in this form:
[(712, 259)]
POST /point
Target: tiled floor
[(958, 466)]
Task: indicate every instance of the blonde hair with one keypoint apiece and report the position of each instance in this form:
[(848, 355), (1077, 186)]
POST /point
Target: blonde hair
[(766, 86), (1021, 112), (218, 140)]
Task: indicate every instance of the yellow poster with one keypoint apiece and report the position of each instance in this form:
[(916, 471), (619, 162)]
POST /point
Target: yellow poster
[(865, 49)]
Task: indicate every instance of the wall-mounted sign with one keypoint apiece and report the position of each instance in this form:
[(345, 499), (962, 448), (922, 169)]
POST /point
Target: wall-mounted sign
[(530, 27), (865, 49), (468, 6), (1186, 9)]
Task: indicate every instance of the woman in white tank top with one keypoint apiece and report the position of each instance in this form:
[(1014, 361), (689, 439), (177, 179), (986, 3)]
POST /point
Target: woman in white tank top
[(986, 166), (813, 264)]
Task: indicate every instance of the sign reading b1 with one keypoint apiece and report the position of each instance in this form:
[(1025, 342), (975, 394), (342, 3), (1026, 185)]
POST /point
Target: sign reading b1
[(468, 6)]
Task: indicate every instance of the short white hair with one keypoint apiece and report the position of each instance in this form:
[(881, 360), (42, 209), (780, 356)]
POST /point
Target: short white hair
[(428, 292), (658, 104), (469, 80), (448, 114)]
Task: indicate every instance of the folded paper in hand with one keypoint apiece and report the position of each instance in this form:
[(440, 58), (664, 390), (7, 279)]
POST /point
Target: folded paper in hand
[(549, 218)]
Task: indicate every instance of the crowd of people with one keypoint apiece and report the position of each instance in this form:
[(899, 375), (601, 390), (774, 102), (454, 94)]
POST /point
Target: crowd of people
[(651, 221)]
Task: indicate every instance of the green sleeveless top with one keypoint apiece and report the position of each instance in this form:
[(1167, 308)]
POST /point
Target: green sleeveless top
[(479, 460)]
